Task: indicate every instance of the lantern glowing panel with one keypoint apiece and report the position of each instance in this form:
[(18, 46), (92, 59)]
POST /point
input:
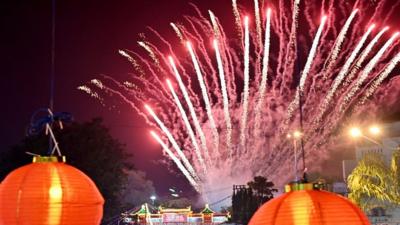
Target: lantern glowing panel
[(48, 192), (309, 207)]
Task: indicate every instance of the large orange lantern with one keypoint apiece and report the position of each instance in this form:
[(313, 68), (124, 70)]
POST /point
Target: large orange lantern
[(49, 192), (302, 205)]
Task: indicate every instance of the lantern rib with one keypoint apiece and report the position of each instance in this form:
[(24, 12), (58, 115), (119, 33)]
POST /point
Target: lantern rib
[(279, 206)]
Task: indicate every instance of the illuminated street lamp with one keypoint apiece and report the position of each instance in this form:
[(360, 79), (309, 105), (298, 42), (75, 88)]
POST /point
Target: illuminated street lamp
[(153, 198), (375, 130), (355, 132), (297, 134)]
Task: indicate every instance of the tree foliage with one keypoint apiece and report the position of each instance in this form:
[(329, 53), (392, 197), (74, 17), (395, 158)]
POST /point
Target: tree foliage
[(263, 189), (90, 148), (374, 183), (246, 200)]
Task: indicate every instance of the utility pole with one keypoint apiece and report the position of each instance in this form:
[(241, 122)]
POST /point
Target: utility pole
[(300, 94), (52, 65)]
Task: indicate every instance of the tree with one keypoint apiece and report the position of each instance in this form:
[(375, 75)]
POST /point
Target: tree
[(373, 183), (262, 188), (246, 200), (88, 147)]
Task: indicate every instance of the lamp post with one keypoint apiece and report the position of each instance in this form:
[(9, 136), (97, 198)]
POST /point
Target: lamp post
[(153, 198), (295, 136), (358, 133), (374, 130)]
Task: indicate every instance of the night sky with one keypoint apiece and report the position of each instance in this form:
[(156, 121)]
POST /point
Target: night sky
[(88, 36)]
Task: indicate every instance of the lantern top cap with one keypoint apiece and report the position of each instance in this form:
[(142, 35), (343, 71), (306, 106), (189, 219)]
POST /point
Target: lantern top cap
[(300, 187), (46, 159), (307, 204)]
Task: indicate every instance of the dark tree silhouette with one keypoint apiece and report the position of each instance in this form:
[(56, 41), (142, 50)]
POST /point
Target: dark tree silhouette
[(262, 189), (90, 148), (247, 199)]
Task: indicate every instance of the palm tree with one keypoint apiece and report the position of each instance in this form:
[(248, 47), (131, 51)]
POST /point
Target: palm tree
[(373, 183)]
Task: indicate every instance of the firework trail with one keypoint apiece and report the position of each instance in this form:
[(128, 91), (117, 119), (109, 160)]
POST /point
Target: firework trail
[(311, 55), (89, 91), (243, 122), (263, 84), (150, 51), (214, 24), (338, 43), (367, 70), (238, 21), (225, 98), (240, 95), (381, 77), (343, 71), (292, 45), (173, 142), (177, 31), (258, 22), (188, 127), (132, 60), (191, 108), (364, 55), (176, 160), (307, 68), (205, 96)]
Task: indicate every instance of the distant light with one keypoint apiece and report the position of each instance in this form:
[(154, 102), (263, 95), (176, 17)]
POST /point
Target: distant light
[(153, 197), (171, 60), (246, 20), (297, 134), (355, 132), (175, 195), (375, 130), (215, 43), (372, 26)]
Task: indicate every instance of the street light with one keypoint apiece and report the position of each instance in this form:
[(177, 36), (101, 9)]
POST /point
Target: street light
[(374, 130), (153, 198), (355, 132), (297, 134)]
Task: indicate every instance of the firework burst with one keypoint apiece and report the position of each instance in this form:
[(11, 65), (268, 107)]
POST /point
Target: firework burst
[(236, 98)]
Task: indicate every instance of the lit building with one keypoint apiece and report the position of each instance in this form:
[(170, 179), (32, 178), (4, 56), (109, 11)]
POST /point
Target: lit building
[(174, 216)]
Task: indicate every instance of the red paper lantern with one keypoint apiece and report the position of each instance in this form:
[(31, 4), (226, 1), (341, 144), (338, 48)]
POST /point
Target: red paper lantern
[(302, 205), (49, 192)]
